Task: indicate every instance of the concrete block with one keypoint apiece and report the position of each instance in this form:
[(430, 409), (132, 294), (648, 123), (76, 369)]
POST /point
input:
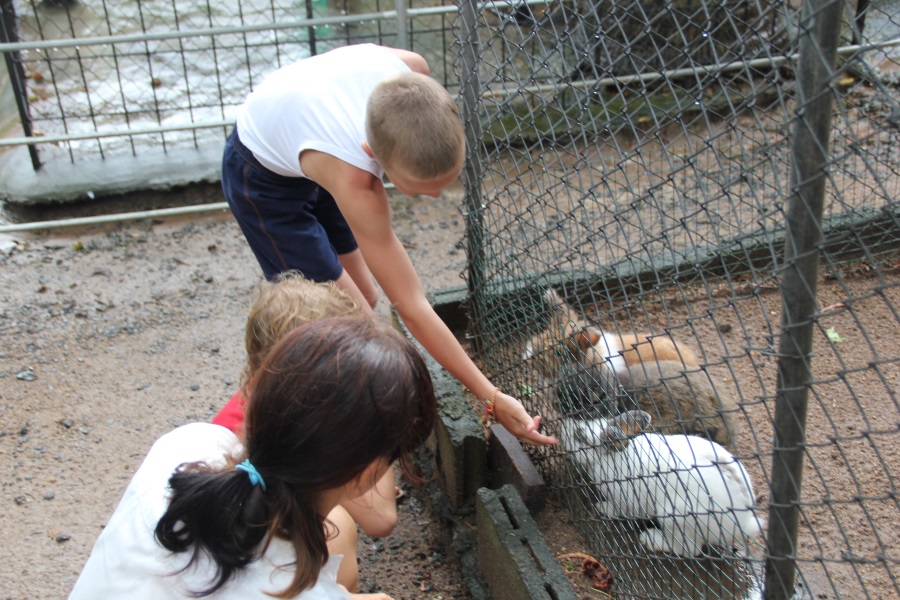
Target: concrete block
[(513, 555), (452, 305), (509, 464), (461, 448), (458, 441)]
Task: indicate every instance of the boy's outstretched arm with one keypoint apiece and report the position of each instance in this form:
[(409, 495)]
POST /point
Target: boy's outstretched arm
[(363, 202)]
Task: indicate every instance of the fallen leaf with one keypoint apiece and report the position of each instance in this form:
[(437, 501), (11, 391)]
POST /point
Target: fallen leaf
[(834, 336), (590, 566)]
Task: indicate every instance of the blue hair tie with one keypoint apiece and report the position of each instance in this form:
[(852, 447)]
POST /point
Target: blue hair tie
[(252, 473)]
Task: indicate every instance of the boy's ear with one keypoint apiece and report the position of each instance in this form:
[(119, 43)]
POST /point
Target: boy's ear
[(367, 150)]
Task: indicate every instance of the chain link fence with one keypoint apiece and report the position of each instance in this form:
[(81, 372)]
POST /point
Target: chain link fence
[(691, 210), (97, 79)]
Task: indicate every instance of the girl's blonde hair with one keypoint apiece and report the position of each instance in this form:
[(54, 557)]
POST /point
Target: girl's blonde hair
[(284, 304), (412, 122)]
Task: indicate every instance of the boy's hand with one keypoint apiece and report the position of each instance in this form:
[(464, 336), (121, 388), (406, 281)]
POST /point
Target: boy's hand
[(510, 413)]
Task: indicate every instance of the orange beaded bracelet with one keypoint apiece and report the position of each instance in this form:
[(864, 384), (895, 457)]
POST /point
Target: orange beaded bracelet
[(489, 407)]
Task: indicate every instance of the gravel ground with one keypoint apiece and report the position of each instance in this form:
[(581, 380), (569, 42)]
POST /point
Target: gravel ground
[(115, 334)]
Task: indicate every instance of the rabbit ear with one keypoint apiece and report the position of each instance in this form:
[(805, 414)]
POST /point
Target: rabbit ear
[(528, 353), (552, 297), (585, 337), (632, 422), (619, 429)]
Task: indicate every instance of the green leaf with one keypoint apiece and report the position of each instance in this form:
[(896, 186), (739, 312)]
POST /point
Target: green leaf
[(834, 336)]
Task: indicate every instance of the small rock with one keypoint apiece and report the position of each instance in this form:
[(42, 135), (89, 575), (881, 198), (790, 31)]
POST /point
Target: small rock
[(195, 387), (20, 500), (49, 495), (724, 327), (396, 543), (26, 375), (62, 537), (377, 547), (67, 423)]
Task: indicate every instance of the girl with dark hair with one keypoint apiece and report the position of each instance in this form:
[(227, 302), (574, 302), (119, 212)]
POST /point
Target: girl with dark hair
[(334, 404)]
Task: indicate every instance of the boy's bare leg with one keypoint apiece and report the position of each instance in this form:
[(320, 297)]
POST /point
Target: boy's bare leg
[(360, 277), (344, 543), (376, 510)]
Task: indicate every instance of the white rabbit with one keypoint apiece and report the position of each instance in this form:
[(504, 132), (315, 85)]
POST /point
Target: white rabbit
[(694, 490)]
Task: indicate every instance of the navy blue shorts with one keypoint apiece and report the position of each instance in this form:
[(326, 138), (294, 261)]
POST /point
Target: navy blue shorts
[(291, 223)]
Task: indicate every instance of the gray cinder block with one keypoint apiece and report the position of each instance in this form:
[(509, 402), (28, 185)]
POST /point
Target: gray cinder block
[(513, 555), (508, 463)]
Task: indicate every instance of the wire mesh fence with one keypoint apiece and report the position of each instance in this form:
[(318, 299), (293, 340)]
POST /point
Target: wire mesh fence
[(630, 183), (658, 225), (177, 70)]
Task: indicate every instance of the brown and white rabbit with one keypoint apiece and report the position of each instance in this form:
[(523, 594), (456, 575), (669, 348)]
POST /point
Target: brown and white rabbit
[(621, 352), (568, 337), (612, 373), (695, 492)]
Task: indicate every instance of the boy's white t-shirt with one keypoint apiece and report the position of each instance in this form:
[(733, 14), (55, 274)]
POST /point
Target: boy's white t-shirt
[(318, 103), (128, 562)]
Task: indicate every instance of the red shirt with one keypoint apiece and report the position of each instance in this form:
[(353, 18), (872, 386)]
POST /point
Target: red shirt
[(232, 414)]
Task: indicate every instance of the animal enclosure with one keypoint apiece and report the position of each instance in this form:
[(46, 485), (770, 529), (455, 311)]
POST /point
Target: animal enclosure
[(691, 211)]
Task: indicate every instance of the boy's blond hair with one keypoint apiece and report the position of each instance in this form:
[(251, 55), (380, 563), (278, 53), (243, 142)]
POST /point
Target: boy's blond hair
[(413, 122), (281, 305)]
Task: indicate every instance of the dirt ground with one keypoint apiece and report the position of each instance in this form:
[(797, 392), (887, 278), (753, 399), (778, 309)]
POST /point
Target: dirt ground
[(114, 334)]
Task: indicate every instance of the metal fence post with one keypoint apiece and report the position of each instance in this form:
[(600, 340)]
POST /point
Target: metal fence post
[(311, 31), (470, 91), (402, 24), (9, 35), (819, 31)]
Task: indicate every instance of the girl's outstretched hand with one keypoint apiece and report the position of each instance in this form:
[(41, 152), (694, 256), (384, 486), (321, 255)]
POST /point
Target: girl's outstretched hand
[(510, 413)]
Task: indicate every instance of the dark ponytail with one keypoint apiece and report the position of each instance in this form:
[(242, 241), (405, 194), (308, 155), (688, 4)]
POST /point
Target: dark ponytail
[(331, 398), (233, 519)]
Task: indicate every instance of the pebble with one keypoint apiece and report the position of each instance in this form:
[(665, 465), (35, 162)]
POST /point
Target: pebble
[(49, 495), (395, 544), (26, 375)]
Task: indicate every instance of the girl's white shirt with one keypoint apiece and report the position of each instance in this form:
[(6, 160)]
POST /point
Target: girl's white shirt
[(128, 562)]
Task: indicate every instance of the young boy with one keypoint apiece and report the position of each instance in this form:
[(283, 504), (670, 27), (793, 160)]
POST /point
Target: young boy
[(302, 174), (281, 306)]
